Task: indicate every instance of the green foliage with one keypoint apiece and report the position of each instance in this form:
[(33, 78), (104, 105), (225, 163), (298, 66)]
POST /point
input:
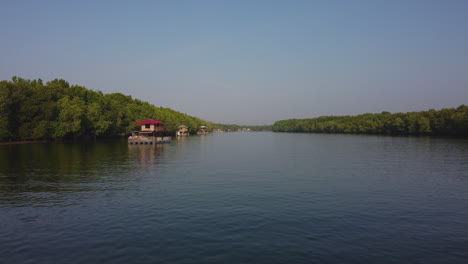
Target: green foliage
[(233, 127), (71, 114), (449, 122), (34, 110)]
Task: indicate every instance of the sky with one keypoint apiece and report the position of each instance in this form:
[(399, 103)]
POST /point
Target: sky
[(247, 62)]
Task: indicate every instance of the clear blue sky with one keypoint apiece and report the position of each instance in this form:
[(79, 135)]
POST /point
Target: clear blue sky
[(247, 62)]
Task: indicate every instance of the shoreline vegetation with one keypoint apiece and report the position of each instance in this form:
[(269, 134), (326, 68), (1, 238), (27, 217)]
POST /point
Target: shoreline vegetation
[(33, 112), (444, 122)]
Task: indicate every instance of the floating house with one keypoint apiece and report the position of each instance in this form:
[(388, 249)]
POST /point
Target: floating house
[(152, 132), (203, 130), (183, 131)]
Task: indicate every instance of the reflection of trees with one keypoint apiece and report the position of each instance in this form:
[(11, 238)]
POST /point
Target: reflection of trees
[(54, 172), (59, 162), (43, 171)]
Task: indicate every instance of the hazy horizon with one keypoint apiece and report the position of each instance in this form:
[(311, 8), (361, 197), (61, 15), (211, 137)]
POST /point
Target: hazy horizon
[(248, 62)]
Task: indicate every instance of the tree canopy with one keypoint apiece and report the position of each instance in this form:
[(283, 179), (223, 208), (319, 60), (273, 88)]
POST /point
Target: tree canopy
[(449, 122), (30, 109)]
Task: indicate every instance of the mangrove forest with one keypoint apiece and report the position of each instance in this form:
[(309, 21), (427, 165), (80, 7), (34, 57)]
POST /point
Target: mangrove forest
[(32, 110), (444, 122)]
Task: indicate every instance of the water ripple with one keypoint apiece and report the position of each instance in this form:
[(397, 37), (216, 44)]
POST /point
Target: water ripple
[(237, 198)]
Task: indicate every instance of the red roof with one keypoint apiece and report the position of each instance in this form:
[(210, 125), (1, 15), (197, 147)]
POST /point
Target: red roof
[(149, 122)]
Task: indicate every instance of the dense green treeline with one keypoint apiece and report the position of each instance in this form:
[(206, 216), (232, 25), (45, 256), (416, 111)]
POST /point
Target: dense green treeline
[(260, 128), (450, 122), (234, 127), (30, 109)]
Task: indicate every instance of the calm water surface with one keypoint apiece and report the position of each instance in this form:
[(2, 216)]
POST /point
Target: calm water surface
[(236, 198)]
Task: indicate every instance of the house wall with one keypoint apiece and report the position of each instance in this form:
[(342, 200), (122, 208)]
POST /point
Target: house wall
[(151, 128)]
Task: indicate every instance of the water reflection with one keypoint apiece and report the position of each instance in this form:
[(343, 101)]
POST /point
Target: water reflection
[(330, 197), (48, 173), (146, 154), (58, 162)]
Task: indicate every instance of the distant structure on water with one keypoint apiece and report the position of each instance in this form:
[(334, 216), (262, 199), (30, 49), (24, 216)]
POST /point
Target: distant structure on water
[(183, 131), (203, 130), (152, 132)]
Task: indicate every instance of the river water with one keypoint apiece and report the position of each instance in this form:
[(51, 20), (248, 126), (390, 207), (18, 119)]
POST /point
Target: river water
[(256, 197)]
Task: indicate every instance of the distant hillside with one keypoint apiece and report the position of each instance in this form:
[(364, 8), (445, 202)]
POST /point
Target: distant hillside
[(449, 122), (30, 109)]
